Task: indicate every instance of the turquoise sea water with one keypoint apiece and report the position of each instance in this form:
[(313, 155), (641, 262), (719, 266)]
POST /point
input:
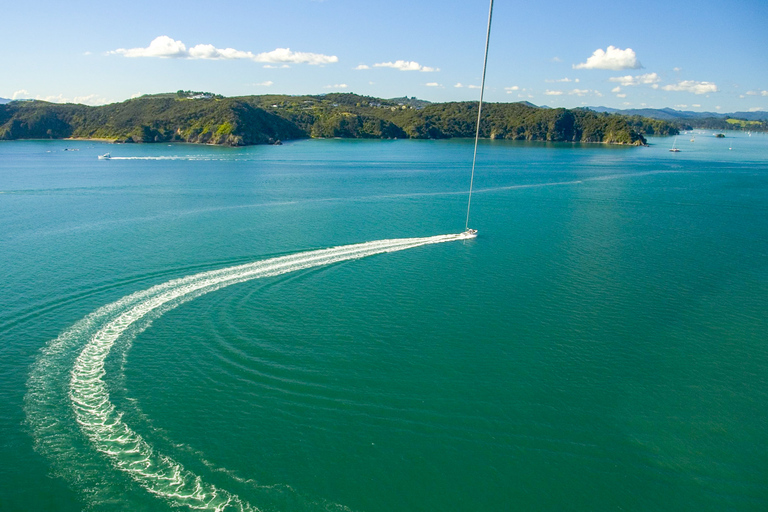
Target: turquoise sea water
[(601, 345)]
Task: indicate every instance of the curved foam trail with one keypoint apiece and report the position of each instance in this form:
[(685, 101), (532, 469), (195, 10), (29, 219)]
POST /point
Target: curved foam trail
[(102, 423)]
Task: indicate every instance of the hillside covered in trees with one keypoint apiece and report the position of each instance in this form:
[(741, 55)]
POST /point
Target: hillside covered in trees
[(207, 118)]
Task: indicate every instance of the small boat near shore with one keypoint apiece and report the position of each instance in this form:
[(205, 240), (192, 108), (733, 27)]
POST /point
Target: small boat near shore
[(105, 156)]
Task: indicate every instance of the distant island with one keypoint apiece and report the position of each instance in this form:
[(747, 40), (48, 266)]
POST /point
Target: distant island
[(687, 120), (202, 117)]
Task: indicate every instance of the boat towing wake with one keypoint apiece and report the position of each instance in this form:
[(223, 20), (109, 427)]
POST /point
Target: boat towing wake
[(62, 384)]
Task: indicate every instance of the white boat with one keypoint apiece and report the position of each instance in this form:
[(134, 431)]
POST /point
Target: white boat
[(105, 156), (674, 147)]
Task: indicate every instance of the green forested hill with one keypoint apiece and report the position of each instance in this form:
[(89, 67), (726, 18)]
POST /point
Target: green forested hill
[(206, 118)]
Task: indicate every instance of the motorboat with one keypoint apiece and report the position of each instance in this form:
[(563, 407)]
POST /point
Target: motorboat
[(105, 156)]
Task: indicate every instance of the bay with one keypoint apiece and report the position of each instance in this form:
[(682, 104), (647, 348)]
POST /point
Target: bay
[(600, 344)]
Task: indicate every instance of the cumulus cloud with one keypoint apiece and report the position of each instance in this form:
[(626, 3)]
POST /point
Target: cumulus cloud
[(264, 84), (433, 84), (579, 92), (459, 85), (628, 80), (612, 58), (363, 66), (616, 89), (406, 65), (165, 47), (90, 99), (757, 93), (336, 86), (565, 80), (553, 93), (692, 86), (513, 88), (756, 109), (622, 95)]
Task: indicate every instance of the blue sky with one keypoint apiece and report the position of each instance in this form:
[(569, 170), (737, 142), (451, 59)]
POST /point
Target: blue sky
[(691, 55)]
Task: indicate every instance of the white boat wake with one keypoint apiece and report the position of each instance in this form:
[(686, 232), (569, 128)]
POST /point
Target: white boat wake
[(88, 394)]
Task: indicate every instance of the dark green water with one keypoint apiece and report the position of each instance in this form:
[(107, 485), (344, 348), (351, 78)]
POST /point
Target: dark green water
[(601, 345)]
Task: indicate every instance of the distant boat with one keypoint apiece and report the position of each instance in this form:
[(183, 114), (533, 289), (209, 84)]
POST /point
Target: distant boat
[(105, 156), (674, 148), (693, 139)]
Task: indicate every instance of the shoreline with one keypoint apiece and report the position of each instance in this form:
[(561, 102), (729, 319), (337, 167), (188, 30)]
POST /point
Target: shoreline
[(117, 141)]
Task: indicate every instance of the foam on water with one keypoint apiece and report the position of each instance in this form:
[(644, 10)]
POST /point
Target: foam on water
[(89, 401)]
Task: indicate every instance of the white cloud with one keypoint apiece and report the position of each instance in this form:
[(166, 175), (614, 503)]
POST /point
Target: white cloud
[(137, 95), (628, 80), (757, 93), (433, 84), (557, 59), (511, 89), (90, 99), (553, 93), (560, 80), (677, 69), (363, 66), (696, 105), (23, 94), (162, 46), (285, 55), (612, 58), (264, 84), (616, 89), (459, 85), (621, 95), (167, 48), (756, 109), (406, 65), (692, 86), (579, 92), (718, 107), (336, 86), (272, 66), (681, 106), (473, 87)]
